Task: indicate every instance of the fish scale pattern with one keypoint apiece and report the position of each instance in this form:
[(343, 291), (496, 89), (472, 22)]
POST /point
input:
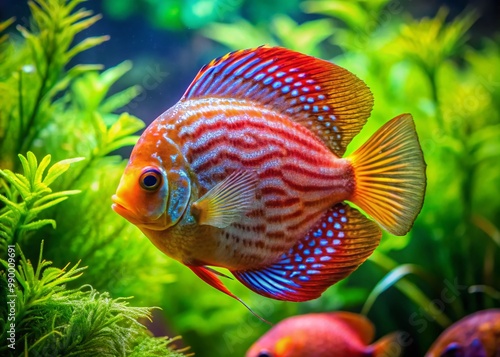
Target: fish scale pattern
[(284, 117), (278, 80), (330, 251)]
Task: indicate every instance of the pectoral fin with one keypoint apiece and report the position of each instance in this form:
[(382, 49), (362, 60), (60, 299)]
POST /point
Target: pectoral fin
[(227, 201)]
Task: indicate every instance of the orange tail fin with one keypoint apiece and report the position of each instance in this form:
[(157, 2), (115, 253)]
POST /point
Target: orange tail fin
[(390, 175)]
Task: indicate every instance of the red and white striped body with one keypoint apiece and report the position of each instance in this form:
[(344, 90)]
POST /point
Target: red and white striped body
[(298, 179)]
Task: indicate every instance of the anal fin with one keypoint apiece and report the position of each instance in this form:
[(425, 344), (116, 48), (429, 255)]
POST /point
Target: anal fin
[(332, 249)]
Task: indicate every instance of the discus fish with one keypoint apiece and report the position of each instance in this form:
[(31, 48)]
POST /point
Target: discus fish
[(246, 173), (476, 335), (340, 334)]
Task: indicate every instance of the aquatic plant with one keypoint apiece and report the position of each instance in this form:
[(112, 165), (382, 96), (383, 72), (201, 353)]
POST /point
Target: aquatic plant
[(26, 196), (51, 320), (52, 112), (282, 30), (192, 14), (40, 316), (49, 109)]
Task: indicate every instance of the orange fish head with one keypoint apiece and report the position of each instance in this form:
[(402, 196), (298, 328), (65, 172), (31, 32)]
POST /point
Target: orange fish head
[(142, 196), (155, 188)]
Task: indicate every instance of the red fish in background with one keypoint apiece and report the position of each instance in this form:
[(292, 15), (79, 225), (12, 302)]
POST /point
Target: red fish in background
[(339, 334), (246, 173), (476, 335)]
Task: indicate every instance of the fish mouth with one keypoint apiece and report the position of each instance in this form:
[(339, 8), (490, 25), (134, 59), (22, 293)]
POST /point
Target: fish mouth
[(121, 208)]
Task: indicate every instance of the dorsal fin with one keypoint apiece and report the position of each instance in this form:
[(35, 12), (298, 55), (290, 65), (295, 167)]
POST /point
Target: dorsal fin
[(327, 99), (358, 323)]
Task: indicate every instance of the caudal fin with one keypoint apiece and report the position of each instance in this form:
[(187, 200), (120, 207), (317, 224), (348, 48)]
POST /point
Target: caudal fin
[(389, 172)]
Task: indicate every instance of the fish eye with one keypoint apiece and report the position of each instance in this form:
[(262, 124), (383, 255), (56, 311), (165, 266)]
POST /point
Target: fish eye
[(150, 179), (264, 354)]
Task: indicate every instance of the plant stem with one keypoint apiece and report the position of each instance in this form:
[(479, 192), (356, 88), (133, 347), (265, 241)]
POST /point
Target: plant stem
[(24, 145), (29, 131), (467, 187), (413, 292), (21, 104), (432, 77)]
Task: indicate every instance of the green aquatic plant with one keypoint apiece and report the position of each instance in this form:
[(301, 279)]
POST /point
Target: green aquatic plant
[(48, 108), (281, 30), (32, 75), (40, 315), (357, 21), (44, 318), (432, 42), (50, 111), (26, 196)]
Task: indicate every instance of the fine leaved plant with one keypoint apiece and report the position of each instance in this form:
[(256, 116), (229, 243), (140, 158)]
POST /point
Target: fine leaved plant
[(44, 318), (40, 316), (26, 196), (51, 111)]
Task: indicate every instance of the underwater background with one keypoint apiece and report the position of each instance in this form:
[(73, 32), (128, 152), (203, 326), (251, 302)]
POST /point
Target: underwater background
[(77, 85)]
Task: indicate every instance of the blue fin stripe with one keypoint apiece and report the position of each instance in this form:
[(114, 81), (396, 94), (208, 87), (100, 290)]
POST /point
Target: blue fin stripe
[(208, 80), (228, 89), (258, 68), (214, 83), (243, 68), (312, 265), (280, 277), (277, 280), (229, 67), (260, 282)]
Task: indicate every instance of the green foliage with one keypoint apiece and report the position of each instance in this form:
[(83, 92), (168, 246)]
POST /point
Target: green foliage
[(53, 112), (3, 26), (68, 113), (51, 320), (282, 30), (33, 76), (395, 277), (26, 196), (430, 42), (193, 14)]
